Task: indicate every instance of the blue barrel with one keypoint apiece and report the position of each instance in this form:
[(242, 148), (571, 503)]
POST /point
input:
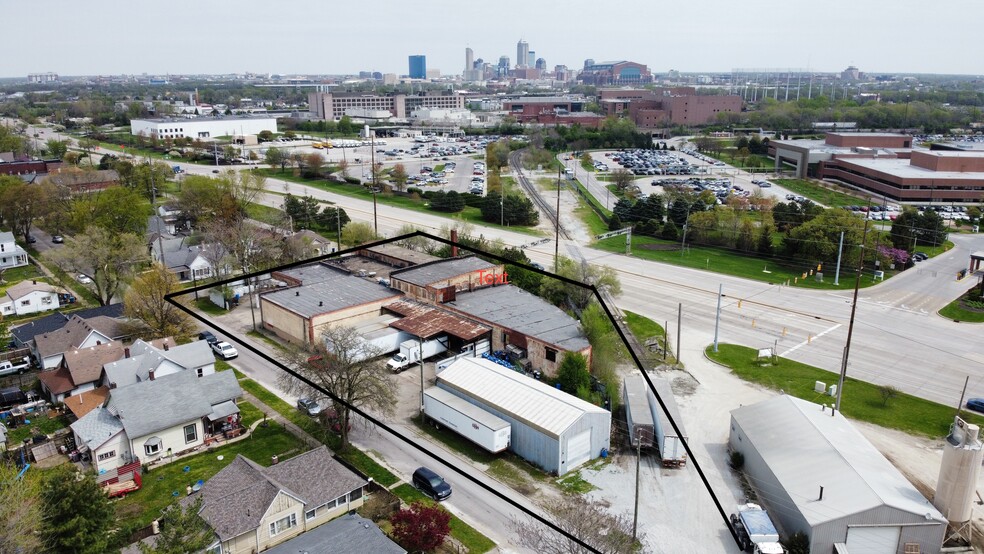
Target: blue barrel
[(604, 452)]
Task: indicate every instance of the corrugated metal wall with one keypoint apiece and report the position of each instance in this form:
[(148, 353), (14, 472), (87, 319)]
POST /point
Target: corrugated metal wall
[(600, 425)]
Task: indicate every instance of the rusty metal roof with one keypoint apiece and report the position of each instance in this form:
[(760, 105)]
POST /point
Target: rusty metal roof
[(427, 321)]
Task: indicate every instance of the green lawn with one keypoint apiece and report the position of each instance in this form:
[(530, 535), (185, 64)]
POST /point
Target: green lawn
[(248, 413), (204, 304), (825, 195), (732, 263), (160, 484), (40, 424), (642, 327), (472, 540), (360, 460), (860, 400), (266, 214), (17, 274), (955, 311)]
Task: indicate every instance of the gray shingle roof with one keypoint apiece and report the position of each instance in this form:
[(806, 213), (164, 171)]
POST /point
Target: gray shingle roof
[(237, 496), (516, 309), (349, 534), (97, 427), (52, 322), (441, 270), (321, 297), (74, 333), (145, 357), (170, 400)]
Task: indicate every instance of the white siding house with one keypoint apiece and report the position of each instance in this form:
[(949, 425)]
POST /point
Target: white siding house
[(11, 255), (29, 297)]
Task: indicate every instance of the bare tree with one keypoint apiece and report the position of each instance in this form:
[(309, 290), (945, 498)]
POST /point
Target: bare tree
[(342, 363), (109, 259), (622, 178), (585, 520), (145, 305), (20, 511)]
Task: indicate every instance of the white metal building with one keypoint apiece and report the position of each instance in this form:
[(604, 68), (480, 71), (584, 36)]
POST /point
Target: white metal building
[(816, 473), (550, 428), (202, 127)]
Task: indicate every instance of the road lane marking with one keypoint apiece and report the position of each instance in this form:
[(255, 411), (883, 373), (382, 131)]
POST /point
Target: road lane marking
[(807, 341)]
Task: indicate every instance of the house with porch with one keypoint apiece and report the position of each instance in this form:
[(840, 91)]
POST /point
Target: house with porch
[(29, 297), (11, 254), (252, 508)]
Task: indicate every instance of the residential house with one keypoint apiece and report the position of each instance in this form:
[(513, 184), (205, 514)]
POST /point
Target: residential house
[(251, 507), (29, 297), (308, 244), (158, 418), (144, 361), (24, 334), (80, 370), (349, 534), (187, 262), (78, 332), (84, 402), (11, 254)]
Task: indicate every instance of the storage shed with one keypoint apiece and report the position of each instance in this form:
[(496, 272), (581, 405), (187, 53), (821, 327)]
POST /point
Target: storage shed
[(817, 474), (550, 428)]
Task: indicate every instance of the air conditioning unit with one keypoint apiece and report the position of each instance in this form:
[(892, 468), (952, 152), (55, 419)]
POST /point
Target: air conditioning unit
[(832, 391), (820, 387)]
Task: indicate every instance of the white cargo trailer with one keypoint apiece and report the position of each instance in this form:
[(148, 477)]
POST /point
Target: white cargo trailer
[(412, 351), (669, 443), (375, 343), (638, 414), (468, 420)]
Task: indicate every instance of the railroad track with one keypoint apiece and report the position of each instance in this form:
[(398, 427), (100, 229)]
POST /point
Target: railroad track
[(534, 194)]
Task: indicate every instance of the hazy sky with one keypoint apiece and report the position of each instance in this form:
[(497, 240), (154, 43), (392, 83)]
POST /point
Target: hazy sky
[(101, 37)]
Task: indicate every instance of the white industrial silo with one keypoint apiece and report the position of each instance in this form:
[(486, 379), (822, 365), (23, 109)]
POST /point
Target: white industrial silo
[(957, 484)]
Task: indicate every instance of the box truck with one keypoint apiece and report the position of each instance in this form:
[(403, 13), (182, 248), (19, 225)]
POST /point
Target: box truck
[(669, 443), (468, 420), (376, 343), (412, 351)]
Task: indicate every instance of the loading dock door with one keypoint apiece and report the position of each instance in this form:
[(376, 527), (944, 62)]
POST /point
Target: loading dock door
[(873, 540), (578, 449)]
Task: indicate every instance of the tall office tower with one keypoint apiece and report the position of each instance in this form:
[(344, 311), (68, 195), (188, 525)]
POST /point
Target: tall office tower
[(469, 59), (588, 62), (418, 67), (530, 59), (522, 53)]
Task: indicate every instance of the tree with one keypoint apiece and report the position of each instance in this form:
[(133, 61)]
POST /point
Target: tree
[(302, 210), (87, 145), (183, 531), (276, 156), (77, 513), (331, 218), (116, 209), (21, 204), (313, 164), (622, 178), (669, 231), (572, 374), (356, 233), (601, 276), (56, 148), (145, 304), (343, 167), (399, 177), (20, 511), (342, 363), (421, 528), (110, 259), (585, 520), (203, 199), (614, 223)]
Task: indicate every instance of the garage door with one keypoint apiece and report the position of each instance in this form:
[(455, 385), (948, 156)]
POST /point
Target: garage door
[(578, 449), (873, 540)]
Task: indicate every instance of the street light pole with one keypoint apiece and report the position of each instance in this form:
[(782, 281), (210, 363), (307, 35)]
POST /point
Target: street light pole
[(635, 512), (372, 146)]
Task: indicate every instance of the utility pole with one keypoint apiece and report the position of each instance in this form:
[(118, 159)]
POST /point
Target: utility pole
[(850, 325), (372, 153), (840, 250), (679, 328), (717, 318), (420, 353), (635, 513), (338, 226), (557, 226)]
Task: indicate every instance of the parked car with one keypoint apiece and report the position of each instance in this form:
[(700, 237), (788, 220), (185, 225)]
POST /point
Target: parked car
[(224, 350), (208, 337), (431, 484), (976, 404), (84, 279), (57, 239), (308, 406)]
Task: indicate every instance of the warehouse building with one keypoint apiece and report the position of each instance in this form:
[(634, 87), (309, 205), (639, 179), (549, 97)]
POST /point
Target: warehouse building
[(817, 474), (202, 127), (439, 280), (550, 428)]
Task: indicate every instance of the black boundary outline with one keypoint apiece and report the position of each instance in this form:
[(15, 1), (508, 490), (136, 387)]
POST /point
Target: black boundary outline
[(172, 296)]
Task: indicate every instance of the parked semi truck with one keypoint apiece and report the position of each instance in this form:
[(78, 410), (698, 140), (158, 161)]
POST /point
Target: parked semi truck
[(468, 420), (638, 414), (412, 351), (755, 530), (669, 442)]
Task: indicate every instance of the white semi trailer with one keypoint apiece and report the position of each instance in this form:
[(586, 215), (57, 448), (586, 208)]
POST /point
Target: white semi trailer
[(468, 420)]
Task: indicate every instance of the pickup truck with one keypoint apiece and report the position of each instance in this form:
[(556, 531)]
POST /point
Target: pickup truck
[(17, 365)]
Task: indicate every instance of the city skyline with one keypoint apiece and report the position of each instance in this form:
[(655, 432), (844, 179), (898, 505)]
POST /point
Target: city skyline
[(708, 36)]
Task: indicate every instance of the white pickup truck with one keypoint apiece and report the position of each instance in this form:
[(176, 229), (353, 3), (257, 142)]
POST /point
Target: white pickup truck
[(17, 365)]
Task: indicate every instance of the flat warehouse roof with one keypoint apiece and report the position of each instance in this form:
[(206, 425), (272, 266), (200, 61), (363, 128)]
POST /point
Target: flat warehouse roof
[(442, 270), (427, 321), (513, 393), (516, 309), (903, 168), (343, 291)]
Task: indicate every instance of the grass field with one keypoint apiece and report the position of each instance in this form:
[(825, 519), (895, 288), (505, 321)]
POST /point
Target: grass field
[(818, 193), (730, 263), (860, 400), (955, 311)]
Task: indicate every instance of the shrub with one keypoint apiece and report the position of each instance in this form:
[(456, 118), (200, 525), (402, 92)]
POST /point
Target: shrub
[(737, 460)]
